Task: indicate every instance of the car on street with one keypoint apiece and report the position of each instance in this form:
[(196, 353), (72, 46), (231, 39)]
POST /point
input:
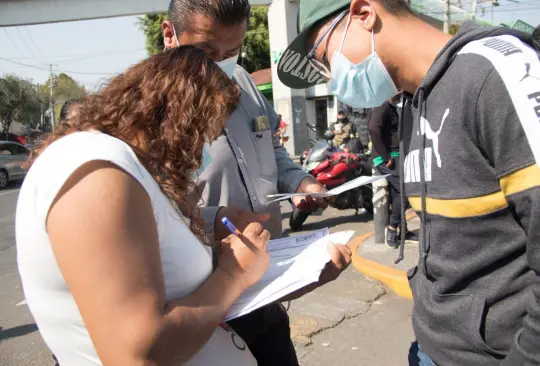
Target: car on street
[(13, 157)]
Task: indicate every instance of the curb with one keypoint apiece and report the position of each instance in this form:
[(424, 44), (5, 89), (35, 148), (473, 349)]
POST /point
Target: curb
[(392, 278)]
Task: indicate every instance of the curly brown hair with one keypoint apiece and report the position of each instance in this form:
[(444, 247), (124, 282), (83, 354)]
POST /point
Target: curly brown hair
[(164, 108)]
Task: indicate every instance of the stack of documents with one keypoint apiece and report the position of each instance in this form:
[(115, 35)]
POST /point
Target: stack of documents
[(295, 262), (360, 181)]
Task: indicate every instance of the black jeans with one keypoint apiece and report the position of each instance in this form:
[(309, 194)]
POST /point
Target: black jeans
[(266, 332), (395, 196)]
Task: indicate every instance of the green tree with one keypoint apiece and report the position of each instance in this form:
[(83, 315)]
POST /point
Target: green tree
[(64, 88), (256, 49), (150, 24), (19, 101), (453, 29), (29, 113)]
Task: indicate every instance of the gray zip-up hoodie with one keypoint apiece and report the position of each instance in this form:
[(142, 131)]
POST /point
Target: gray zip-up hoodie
[(471, 141)]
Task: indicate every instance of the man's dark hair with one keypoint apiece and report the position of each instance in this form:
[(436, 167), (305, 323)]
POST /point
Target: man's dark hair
[(65, 109), (395, 7), (226, 12)]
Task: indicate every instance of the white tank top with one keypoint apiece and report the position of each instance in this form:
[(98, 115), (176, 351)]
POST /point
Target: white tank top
[(185, 261)]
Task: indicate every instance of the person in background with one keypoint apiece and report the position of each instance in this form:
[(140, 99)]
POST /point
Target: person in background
[(470, 155), (281, 133), (246, 162), (107, 193), (343, 130), (383, 131), (65, 110)]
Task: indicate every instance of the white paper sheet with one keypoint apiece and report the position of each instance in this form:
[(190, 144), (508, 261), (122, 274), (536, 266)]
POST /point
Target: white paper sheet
[(360, 181), (295, 262)]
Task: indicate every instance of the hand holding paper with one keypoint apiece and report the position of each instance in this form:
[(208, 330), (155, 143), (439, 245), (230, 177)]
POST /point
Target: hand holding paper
[(295, 262), (360, 181)]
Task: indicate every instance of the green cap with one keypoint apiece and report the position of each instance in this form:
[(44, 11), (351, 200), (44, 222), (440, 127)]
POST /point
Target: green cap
[(294, 69)]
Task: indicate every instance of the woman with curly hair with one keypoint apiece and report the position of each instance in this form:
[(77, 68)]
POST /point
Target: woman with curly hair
[(110, 245)]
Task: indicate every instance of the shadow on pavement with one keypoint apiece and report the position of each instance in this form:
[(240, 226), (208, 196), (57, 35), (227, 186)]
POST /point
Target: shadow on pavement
[(331, 222), (21, 330)]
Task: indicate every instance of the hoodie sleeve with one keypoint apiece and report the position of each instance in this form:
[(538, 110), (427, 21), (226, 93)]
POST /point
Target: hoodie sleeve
[(502, 128), (376, 123)]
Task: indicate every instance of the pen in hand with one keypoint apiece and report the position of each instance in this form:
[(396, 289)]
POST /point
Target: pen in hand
[(229, 225)]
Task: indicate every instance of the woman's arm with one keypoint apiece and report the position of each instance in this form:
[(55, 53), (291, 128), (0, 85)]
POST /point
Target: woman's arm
[(105, 240)]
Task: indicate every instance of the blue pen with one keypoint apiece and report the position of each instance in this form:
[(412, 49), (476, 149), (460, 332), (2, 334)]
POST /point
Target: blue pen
[(230, 226)]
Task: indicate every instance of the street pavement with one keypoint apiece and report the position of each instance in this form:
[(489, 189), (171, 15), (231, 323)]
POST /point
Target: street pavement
[(20, 342), (352, 321)]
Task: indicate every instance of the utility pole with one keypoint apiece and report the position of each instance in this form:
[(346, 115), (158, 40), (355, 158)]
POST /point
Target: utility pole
[(446, 26), (474, 6), (51, 87), (40, 108)]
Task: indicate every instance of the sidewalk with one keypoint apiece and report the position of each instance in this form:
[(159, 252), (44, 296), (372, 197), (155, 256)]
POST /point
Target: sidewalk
[(353, 321), (377, 261)]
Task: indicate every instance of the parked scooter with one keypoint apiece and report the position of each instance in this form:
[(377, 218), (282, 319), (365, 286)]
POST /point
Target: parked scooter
[(333, 167)]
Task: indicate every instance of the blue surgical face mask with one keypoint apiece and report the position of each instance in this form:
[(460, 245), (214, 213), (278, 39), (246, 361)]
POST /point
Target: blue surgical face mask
[(365, 85), (228, 65), (206, 160)]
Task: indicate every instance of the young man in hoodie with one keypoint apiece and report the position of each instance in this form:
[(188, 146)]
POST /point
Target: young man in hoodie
[(471, 147)]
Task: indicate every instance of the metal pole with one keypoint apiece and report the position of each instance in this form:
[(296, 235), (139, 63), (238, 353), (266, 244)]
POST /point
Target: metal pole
[(51, 86), (446, 26), (474, 6), (381, 209)]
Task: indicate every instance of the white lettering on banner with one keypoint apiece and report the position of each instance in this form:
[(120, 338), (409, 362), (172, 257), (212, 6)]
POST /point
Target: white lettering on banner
[(314, 76), (412, 166), (298, 66), (298, 69), (289, 61), (524, 90)]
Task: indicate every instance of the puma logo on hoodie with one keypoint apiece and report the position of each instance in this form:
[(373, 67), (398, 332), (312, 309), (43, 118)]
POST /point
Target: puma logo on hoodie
[(425, 129), (412, 160)]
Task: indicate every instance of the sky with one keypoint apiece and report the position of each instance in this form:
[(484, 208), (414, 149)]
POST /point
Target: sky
[(91, 51)]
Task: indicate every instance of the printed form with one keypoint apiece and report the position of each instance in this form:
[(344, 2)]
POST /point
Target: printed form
[(295, 262)]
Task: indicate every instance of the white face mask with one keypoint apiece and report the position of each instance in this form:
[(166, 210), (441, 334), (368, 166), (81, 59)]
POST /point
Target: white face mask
[(364, 85), (206, 160), (175, 36), (228, 65)]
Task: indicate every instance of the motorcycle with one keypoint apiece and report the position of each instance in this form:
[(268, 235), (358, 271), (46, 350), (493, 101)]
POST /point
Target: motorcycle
[(333, 167)]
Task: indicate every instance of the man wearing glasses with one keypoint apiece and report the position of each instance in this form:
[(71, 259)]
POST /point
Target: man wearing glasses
[(470, 139)]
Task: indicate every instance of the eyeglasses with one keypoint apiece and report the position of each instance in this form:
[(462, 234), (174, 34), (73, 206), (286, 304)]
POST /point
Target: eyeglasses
[(317, 65)]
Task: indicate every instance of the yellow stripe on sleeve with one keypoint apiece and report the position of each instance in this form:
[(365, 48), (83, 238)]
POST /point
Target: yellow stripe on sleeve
[(521, 180), (461, 208)]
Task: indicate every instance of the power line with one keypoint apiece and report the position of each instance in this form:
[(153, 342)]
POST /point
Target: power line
[(64, 71), (32, 41), (98, 55), (82, 56), (495, 10), (13, 42), (24, 40)]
